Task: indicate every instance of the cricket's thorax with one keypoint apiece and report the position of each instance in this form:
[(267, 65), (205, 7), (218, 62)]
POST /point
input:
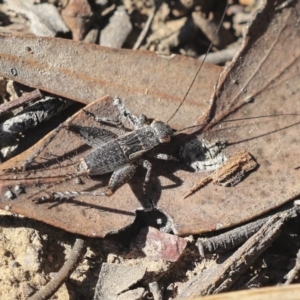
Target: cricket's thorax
[(146, 138)]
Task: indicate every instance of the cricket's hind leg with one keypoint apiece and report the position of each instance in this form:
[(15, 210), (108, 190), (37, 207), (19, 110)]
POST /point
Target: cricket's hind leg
[(120, 177), (117, 179), (124, 174), (29, 161)]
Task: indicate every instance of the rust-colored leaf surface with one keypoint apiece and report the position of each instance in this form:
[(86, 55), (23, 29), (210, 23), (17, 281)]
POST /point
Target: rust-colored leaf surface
[(91, 216), (85, 72), (266, 72)]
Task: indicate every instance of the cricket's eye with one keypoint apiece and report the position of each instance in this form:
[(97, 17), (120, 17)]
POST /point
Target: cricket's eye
[(162, 130)]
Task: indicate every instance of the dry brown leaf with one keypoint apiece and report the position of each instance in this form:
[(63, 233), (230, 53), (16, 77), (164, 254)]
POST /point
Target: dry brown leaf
[(85, 72), (267, 71)]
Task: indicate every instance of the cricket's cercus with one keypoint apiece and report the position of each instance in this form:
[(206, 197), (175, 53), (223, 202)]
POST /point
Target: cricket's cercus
[(119, 154), (230, 173)]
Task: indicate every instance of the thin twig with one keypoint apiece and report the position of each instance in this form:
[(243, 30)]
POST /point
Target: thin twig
[(234, 237), (294, 273), (34, 95), (63, 274), (220, 57), (230, 239), (147, 25), (32, 116), (221, 277)]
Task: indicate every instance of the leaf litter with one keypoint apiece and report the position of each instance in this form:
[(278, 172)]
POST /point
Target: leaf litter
[(246, 128)]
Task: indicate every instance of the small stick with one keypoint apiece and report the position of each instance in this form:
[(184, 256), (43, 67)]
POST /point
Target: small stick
[(234, 237), (230, 239), (284, 5), (220, 57), (147, 25), (155, 290), (63, 274), (230, 173), (221, 277), (31, 116), (198, 186), (34, 95), (294, 273)]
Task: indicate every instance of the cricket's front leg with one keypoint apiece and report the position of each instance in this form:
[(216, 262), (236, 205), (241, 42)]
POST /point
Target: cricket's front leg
[(124, 114), (120, 177)]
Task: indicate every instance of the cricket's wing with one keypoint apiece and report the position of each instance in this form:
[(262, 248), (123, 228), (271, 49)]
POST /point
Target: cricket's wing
[(93, 136), (107, 158)]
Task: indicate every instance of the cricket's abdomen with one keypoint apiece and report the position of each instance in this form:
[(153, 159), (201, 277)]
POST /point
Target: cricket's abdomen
[(120, 151), (105, 159)]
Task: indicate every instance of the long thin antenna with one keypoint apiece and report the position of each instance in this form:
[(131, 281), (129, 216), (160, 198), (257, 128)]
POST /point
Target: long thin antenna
[(189, 127), (198, 71)]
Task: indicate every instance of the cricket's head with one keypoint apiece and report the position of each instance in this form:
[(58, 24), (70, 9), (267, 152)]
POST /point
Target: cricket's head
[(162, 130)]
